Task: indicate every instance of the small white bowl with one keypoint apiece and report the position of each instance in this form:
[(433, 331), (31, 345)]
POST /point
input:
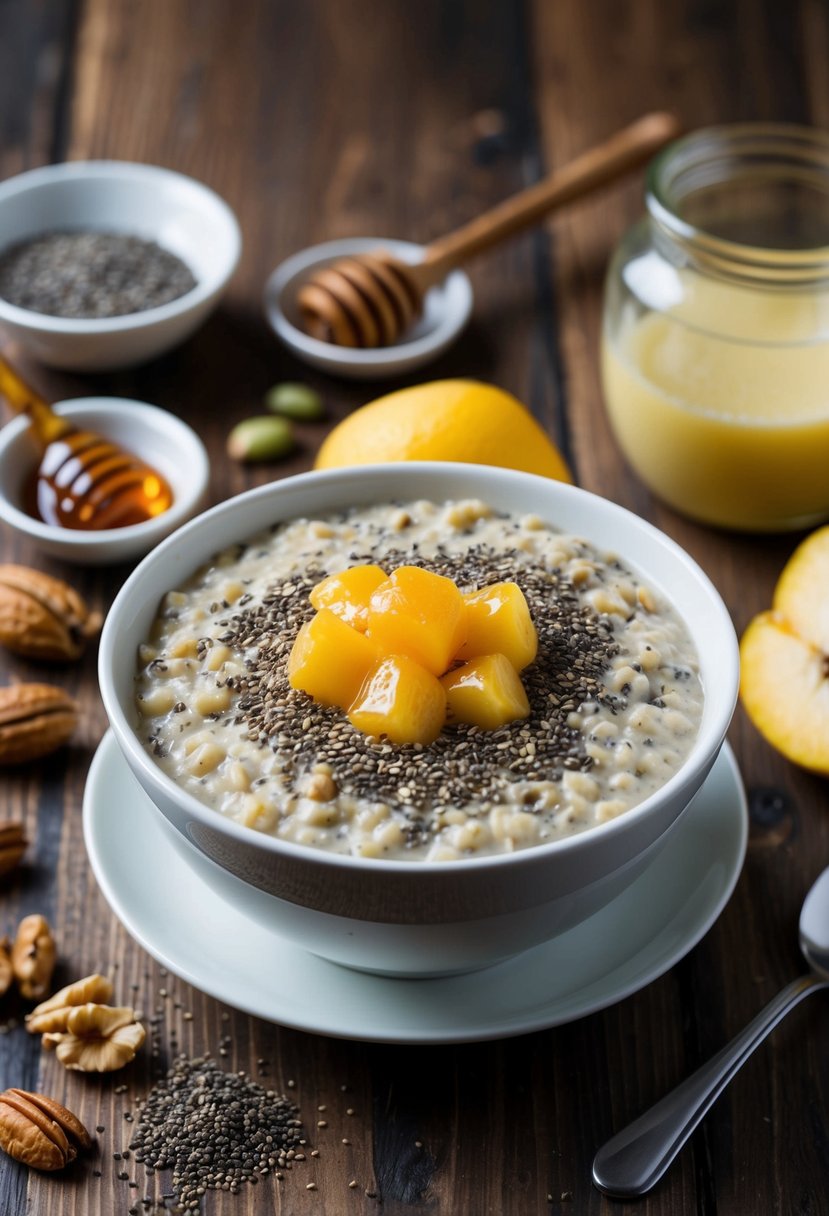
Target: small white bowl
[(180, 214), (446, 311), (163, 440)]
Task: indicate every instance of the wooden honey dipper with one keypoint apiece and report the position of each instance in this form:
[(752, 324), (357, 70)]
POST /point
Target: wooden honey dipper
[(371, 299), (84, 480)]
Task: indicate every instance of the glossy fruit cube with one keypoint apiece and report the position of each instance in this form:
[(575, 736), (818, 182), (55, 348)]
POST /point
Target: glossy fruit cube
[(498, 622), (418, 614), (347, 594), (485, 692), (401, 700), (330, 660)]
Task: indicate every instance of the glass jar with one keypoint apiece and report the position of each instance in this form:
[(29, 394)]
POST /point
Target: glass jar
[(715, 348)]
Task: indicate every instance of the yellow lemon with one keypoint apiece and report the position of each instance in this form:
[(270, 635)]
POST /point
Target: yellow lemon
[(445, 420)]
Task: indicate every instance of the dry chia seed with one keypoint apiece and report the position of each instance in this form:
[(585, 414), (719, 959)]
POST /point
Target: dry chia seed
[(215, 1130), (576, 647), (91, 275)]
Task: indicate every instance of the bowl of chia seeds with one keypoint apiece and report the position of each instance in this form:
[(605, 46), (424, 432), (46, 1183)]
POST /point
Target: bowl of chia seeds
[(419, 859), (107, 264)]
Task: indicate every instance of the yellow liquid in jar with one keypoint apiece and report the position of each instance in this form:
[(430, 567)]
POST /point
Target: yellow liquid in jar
[(722, 404)]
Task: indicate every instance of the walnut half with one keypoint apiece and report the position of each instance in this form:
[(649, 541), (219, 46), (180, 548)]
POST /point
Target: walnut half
[(98, 1038), (38, 1131), (50, 1016)]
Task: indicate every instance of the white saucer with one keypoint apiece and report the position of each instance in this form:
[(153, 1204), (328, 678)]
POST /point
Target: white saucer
[(446, 310), (172, 912)]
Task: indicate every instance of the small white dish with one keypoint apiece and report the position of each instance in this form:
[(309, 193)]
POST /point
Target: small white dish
[(166, 443), (146, 201), (171, 909), (446, 311)]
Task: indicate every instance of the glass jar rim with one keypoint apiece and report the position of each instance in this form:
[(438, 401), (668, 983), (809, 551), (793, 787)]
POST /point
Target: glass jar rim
[(712, 155)]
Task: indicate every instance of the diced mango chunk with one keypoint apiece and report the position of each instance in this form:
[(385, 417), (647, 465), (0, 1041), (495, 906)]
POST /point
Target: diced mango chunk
[(498, 622), (401, 700), (418, 614), (486, 692), (347, 594), (330, 660)]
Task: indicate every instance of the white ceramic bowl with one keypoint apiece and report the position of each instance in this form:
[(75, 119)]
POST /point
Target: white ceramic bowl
[(420, 918), (446, 311), (161, 439), (180, 214)]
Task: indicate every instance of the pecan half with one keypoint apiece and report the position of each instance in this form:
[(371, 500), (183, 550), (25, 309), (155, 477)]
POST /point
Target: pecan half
[(42, 617), (98, 1038), (35, 719), (52, 1015), (33, 956), (38, 1131), (13, 844), (6, 969)]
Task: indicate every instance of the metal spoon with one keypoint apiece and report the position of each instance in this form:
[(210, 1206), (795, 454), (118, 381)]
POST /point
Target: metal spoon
[(635, 1159)]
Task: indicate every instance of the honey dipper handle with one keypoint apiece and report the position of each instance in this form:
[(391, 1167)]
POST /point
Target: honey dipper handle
[(627, 149), (23, 399)]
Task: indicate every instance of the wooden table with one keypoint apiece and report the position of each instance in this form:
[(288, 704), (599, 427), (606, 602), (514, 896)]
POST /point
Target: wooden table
[(333, 118)]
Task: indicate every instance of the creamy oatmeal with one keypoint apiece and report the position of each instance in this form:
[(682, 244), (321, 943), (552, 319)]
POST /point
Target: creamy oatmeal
[(614, 692)]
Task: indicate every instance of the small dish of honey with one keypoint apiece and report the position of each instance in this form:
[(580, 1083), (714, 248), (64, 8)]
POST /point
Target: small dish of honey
[(172, 488)]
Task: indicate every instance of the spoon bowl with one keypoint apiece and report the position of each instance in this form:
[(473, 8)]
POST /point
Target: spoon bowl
[(634, 1160), (814, 926)]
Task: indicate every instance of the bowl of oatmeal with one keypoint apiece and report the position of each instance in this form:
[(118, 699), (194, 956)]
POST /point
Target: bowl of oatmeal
[(419, 858)]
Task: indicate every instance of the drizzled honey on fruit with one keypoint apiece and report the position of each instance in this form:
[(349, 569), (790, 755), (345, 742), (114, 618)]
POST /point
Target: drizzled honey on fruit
[(418, 614), (498, 621), (403, 654), (400, 700), (485, 692), (347, 594)]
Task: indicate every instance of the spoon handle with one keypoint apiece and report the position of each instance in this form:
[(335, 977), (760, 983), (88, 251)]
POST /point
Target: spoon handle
[(626, 150), (635, 1159)]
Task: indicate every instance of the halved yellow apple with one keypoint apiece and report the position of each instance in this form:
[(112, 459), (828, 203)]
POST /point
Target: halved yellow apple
[(784, 685), (802, 591)]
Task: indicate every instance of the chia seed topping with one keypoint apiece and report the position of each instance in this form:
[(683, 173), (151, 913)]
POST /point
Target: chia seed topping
[(575, 648), (91, 275)]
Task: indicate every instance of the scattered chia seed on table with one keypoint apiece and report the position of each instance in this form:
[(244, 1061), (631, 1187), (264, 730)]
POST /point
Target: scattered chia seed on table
[(91, 275), (215, 1130)]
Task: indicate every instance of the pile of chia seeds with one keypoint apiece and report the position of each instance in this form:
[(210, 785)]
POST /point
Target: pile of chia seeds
[(215, 1130), (465, 763), (91, 275)]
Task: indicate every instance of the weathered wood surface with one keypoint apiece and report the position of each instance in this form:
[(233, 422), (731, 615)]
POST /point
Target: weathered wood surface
[(335, 118)]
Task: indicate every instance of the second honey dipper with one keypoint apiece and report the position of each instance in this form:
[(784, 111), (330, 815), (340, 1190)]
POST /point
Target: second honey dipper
[(371, 299)]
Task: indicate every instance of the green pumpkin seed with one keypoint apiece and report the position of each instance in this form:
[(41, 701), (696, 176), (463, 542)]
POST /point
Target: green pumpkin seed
[(261, 438), (294, 400)]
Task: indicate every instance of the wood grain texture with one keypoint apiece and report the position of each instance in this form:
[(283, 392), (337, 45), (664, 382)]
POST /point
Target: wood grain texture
[(707, 65), (336, 118)]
